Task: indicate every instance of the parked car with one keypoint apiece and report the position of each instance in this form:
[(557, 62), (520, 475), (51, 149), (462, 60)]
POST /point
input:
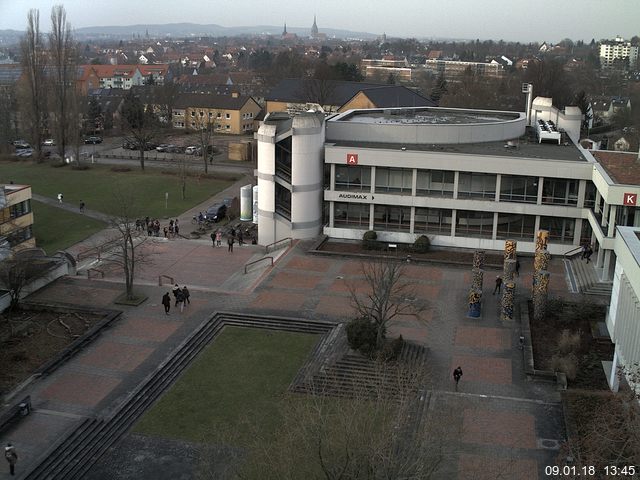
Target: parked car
[(49, 142), (171, 148), (24, 152), (21, 144), (162, 147), (191, 150), (216, 212), (93, 139)]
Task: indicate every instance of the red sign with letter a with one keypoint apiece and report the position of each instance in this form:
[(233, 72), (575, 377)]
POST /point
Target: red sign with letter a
[(352, 158), (630, 199)]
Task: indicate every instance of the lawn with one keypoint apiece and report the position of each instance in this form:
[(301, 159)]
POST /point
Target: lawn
[(242, 375), (96, 185), (56, 229)]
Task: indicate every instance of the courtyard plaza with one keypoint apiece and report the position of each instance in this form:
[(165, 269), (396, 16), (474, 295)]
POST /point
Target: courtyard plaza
[(506, 420)]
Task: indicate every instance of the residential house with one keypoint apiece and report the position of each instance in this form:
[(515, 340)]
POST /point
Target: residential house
[(618, 52), (231, 114), (386, 96)]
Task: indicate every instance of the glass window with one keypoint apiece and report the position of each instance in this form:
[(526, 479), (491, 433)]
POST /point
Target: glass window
[(477, 185), (433, 220), (353, 178), (20, 209), (18, 236), (518, 188), (227, 116), (351, 215), (516, 226), (559, 191), (590, 195), (474, 224), (388, 217), (560, 229), (283, 201), (435, 183), (394, 180)]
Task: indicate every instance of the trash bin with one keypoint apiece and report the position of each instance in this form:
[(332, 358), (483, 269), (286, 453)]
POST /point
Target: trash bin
[(24, 409)]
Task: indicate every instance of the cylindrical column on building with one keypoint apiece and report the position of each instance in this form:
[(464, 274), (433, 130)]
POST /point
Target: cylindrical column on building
[(246, 203), (475, 298), (255, 205), (541, 260), (478, 259), (476, 279), (508, 299)]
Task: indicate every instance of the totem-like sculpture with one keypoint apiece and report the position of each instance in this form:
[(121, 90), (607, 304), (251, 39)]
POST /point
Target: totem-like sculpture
[(509, 270), (475, 293), (542, 238), (475, 297), (478, 259), (476, 279), (540, 294), (508, 298), (541, 260)]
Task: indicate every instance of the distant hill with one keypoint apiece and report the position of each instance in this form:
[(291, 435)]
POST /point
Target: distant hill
[(196, 30)]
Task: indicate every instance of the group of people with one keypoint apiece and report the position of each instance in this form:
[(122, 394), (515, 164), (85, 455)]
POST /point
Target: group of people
[(153, 227), (181, 296), (233, 237)]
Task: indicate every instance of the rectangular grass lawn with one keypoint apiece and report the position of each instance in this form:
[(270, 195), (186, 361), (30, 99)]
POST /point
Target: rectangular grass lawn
[(96, 186), (243, 374), (56, 229)]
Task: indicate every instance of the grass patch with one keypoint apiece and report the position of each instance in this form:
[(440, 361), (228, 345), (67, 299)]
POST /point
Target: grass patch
[(95, 186), (242, 375), (56, 229)]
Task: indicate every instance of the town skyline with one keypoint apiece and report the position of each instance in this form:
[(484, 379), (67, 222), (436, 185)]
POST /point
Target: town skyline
[(466, 19)]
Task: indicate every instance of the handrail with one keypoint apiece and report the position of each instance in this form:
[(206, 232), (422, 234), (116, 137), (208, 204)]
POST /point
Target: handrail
[(160, 277), (572, 252), (257, 261), (289, 239)]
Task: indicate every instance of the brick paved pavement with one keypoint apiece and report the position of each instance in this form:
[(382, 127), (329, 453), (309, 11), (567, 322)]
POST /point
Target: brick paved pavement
[(497, 410)]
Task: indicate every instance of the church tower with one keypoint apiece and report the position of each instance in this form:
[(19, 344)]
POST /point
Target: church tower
[(314, 28), (284, 32)]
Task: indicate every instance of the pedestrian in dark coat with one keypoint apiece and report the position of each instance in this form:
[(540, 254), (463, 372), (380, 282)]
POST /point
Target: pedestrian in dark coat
[(498, 286), (186, 294), (213, 239), (176, 289), (12, 457), (230, 241), (166, 301), (457, 375), (518, 267)]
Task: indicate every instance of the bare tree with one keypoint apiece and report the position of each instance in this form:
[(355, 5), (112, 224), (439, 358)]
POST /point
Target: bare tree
[(139, 124), (33, 92), (388, 295), (204, 129), (8, 120), (371, 433), (14, 276), (165, 98), (63, 80)]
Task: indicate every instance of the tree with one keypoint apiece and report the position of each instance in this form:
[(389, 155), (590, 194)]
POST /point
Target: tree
[(204, 129), (582, 102), (14, 276), (95, 119), (371, 433), (8, 120), (439, 88), (138, 123), (33, 93), (388, 295), (165, 98), (62, 50)]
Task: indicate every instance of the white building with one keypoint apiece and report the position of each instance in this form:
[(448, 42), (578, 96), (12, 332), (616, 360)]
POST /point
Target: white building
[(618, 49)]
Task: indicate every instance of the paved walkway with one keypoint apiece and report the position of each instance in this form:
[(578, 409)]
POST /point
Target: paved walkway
[(502, 417)]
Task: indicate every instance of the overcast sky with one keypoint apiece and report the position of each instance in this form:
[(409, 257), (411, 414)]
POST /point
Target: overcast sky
[(517, 20)]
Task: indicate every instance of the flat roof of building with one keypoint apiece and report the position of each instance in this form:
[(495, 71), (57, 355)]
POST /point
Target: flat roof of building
[(518, 148), (427, 116), (622, 167)]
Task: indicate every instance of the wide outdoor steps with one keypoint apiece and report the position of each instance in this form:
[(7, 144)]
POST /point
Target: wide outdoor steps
[(586, 278), (72, 457)]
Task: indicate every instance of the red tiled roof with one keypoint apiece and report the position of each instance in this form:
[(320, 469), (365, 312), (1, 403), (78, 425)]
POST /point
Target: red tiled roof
[(623, 167)]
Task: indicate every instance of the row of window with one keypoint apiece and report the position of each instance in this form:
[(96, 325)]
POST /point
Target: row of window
[(440, 183), (18, 236), (14, 211), (438, 221)]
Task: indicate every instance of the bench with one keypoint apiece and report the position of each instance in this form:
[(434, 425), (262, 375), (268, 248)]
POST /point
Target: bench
[(20, 409)]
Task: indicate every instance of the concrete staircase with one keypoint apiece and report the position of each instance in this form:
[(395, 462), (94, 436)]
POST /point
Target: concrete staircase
[(584, 279)]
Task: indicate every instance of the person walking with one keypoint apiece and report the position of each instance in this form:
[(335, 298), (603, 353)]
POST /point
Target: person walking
[(219, 238), (176, 228), (457, 375), (176, 289), (166, 301), (230, 241), (81, 206), (498, 286), (588, 253), (12, 457), (518, 268), (240, 237), (213, 239), (60, 197), (186, 295)]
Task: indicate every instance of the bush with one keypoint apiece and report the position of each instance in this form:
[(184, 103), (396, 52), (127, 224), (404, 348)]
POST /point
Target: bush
[(567, 364), (361, 335), (391, 350), (568, 342), (422, 244), (369, 240), (120, 169)]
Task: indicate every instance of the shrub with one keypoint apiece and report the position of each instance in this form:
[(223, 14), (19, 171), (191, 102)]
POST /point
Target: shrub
[(81, 167), (391, 350), (422, 244), (369, 240), (568, 342), (120, 169), (567, 364), (361, 335)]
